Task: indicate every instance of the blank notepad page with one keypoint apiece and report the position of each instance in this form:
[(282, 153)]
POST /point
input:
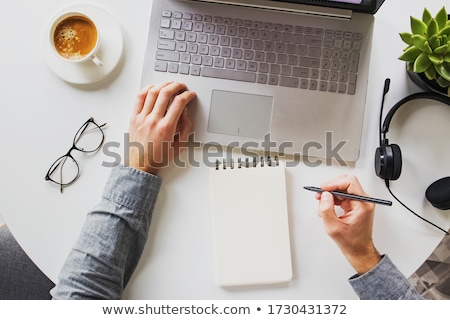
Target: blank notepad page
[(251, 230)]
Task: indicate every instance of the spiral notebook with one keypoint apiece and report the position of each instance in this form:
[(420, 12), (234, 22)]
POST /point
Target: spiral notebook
[(250, 218)]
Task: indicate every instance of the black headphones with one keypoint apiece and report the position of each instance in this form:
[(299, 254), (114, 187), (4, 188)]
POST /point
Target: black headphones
[(388, 157)]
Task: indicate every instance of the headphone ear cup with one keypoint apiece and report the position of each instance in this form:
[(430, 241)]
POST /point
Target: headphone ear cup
[(438, 193), (380, 162), (388, 162), (396, 162)]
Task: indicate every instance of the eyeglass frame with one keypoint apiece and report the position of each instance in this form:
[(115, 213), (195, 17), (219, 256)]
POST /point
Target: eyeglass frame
[(68, 154)]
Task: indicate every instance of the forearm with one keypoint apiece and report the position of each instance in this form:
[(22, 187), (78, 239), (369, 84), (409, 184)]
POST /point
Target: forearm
[(112, 238), (383, 282)]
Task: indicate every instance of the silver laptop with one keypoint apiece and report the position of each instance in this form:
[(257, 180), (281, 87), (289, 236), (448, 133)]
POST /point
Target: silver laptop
[(288, 77)]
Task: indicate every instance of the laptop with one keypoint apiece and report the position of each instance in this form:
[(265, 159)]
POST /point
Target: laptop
[(289, 77)]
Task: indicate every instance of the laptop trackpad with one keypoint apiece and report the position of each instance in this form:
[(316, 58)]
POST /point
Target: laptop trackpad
[(240, 114)]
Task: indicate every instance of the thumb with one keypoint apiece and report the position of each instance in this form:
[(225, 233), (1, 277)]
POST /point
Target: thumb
[(326, 208)]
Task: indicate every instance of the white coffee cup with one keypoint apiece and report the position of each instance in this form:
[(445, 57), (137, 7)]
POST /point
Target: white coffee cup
[(75, 38)]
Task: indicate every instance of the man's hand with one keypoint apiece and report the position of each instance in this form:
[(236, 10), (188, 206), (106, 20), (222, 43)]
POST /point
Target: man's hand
[(159, 126), (352, 231)]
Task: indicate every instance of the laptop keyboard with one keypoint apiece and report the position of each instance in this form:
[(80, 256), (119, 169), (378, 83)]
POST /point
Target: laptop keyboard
[(260, 52)]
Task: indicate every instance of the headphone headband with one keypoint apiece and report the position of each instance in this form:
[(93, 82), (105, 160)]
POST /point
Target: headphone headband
[(414, 96)]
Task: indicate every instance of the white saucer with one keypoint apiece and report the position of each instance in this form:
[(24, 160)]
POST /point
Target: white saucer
[(110, 50)]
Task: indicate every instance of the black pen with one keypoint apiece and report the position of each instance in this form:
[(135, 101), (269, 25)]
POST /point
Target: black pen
[(351, 196)]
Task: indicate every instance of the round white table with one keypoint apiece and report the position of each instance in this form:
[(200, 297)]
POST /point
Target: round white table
[(41, 113)]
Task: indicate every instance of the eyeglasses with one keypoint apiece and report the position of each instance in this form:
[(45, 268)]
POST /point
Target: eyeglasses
[(65, 170)]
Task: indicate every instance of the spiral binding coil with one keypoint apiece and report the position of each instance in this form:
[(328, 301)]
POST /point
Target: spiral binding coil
[(247, 163)]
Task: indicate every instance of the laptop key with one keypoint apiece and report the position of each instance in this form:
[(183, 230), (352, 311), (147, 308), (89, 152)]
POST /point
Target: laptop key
[(177, 15), (187, 25), (323, 86), (165, 23), (219, 62), (300, 72), (309, 62), (166, 14), (262, 78), (332, 87), (166, 45), (195, 70), (181, 47), (176, 24), (313, 85), (161, 66), (168, 56), (173, 68), (313, 41), (185, 58), (351, 83), (184, 69), (289, 82), (166, 34), (304, 84), (351, 88), (228, 74), (354, 60), (273, 80)]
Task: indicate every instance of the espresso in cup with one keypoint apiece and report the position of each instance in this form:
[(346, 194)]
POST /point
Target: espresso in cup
[(76, 38)]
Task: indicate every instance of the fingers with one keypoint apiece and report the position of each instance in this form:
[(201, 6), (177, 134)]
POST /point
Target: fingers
[(183, 130), (185, 126), (178, 105), (167, 99), (352, 209), (349, 184), (140, 99), (153, 95), (166, 96)]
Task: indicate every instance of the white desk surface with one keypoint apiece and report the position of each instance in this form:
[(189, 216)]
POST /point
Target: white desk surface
[(40, 114)]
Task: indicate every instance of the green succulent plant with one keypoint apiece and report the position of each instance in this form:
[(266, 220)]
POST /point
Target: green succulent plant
[(428, 49)]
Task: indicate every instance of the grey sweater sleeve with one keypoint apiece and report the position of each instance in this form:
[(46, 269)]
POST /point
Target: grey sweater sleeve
[(384, 282), (112, 238)]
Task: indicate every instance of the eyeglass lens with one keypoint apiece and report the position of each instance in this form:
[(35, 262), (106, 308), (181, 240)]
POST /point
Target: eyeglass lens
[(88, 138), (64, 171)]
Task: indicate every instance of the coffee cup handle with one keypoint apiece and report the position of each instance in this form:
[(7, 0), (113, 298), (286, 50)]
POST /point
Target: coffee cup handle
[(96, 60)]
